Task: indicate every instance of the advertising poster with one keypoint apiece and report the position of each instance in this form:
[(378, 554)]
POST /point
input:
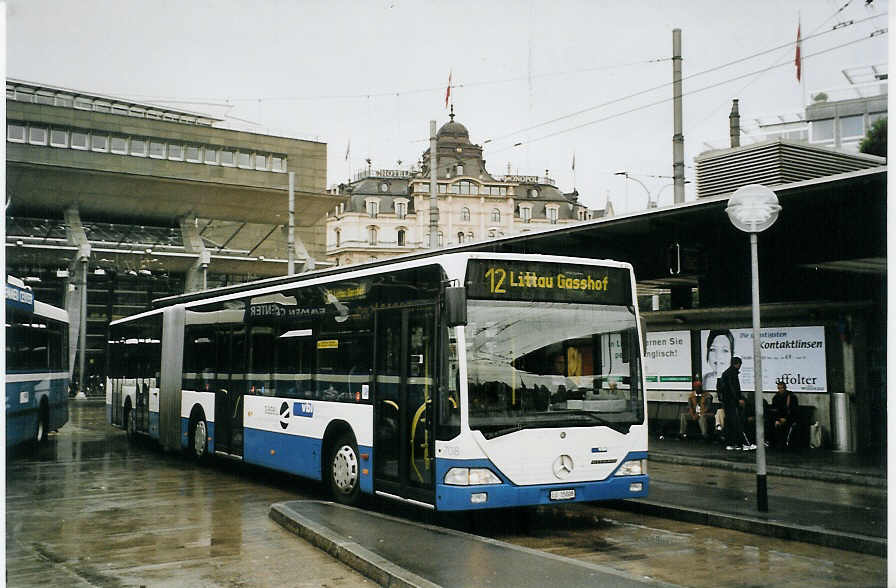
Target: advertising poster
[(667, 360), (795, 355)]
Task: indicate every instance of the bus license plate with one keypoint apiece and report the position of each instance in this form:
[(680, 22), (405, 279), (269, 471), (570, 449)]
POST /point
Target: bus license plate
[(563, 494)]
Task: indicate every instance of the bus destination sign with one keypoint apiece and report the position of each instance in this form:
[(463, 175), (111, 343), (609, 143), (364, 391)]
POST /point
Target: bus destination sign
[(547, 282)]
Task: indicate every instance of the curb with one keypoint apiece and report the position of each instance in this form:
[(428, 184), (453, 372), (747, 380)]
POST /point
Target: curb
[(845, 541), (839, 477), (377, 568)]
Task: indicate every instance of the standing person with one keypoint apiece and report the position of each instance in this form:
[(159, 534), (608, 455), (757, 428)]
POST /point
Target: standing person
[(719, 351), (729, 394)]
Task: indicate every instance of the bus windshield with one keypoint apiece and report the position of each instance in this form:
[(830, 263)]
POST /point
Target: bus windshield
[(554, 364)]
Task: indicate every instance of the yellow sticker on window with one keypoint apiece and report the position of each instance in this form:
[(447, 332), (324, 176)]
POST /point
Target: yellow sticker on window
[(328, 344)]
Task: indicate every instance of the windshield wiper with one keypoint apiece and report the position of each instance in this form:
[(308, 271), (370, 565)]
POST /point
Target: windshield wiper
[(504, 431), (622, 427)]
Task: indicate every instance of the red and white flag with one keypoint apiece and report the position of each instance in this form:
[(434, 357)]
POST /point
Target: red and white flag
[(798, 60), (448, 90)]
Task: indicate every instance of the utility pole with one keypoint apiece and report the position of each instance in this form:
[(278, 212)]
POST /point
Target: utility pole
[(291, 235), (433, 187), (678, 136)]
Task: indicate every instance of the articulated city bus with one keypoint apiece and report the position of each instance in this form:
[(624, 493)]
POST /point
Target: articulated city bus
[(452, 381), (37, 374)]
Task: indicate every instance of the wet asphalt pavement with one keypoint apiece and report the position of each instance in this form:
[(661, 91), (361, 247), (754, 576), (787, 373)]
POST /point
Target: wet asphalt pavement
[(89, 509)]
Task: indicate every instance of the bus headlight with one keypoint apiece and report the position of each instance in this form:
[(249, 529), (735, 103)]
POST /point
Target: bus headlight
[(471, 477), (633, 467)]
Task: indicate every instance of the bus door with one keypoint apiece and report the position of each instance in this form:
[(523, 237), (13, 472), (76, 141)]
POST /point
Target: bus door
[(403, 447), (231, 386)]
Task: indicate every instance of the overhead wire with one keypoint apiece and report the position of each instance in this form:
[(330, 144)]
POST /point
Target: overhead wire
[(687, 93), (664, 85)]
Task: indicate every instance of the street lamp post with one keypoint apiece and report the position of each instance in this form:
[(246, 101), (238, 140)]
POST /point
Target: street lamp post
[(627, 176), (753, 209)]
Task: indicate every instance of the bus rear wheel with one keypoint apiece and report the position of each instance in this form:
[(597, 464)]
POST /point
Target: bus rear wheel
[(199, 439), (43, 423), (343, 470)]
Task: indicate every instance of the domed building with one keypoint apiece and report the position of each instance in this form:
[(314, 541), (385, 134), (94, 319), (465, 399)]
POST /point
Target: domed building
[(387, 211)]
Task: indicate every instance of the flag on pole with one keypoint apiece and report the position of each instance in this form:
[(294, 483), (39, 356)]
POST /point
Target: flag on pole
[(348, 148), (798, 61), (448, 90)]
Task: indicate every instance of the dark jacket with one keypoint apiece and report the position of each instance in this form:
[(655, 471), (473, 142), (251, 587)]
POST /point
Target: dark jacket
[(728, 387)]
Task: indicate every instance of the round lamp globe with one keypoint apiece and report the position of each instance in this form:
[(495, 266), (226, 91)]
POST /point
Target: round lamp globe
[(753, 208)]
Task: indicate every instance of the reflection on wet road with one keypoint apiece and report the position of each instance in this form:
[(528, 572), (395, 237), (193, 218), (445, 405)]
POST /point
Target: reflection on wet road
[(90, 510)]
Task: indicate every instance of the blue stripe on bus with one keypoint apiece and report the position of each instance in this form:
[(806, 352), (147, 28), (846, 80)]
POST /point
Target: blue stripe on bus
[(296, 454), (507, 494), (21, 417)]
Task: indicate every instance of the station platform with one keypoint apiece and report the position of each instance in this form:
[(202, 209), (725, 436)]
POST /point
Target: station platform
[(398, 552)]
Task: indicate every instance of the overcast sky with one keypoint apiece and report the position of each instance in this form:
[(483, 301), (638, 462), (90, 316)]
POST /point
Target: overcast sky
[(375, 73)]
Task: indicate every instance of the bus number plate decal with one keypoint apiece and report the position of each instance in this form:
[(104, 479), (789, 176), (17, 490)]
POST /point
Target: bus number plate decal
[(563, 494), (303, 409)]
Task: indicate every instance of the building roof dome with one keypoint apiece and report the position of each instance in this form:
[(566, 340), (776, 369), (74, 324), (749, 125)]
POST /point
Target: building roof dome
[(453, 129)]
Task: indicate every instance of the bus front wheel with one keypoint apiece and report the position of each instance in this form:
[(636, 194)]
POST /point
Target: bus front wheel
[(343, 471)]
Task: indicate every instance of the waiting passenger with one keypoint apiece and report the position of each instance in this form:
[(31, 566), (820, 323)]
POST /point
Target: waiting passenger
[(699, 409)]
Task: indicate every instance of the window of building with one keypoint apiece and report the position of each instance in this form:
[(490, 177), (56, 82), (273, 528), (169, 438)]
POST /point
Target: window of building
[(371, 235), (277, 163), (157, 149), (176, 152), (441, 239), (852, 126), (401, 209), (99, 142), (525, 214), (138, 112), (402, 237), (79, 140), (873, 117), (496, 215), (245, 160), (44, 98), (460, 237), (465, 214), (338, 237), (193, 153), (37, 135), (460, 169), (101, 106), (63, 100), (120, 109), (552, 214), (467, 187), (170, 117), (154, 114), (24, 95), (373, 208), (138, 147), (443, 189), (470, 236), (58, 138), (211, 155), (491, 233), (10, 93), (822, 130), (454, 189), (227, 157), (83, 103), (15, 133), (261, 161), (119, 145)]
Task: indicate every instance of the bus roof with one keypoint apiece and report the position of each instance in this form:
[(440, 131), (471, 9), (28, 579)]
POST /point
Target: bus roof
[(466, 251)]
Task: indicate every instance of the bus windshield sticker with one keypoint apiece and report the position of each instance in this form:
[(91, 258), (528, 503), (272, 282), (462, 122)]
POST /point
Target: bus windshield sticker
[(328, 344), (547, 282)]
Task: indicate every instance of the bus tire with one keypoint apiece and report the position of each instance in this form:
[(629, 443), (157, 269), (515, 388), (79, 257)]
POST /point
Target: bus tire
[(42, 430), (130, 422), (198, 447), (344, 470)]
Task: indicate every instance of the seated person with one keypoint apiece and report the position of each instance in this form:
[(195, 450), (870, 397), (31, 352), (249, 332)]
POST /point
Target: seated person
[(748, 422), (782, 416), (699, 410)]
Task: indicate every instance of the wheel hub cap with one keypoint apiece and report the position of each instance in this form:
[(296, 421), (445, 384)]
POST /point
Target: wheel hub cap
[(345, 469)]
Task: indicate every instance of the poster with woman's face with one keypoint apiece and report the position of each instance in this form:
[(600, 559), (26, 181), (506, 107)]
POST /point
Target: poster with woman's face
[(717, 349)]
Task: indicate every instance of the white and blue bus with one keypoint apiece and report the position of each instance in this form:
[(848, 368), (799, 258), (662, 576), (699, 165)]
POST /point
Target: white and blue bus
[(452, 381), (37, 372)]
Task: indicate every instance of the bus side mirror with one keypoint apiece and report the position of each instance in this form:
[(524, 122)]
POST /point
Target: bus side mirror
[(456, 306)]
